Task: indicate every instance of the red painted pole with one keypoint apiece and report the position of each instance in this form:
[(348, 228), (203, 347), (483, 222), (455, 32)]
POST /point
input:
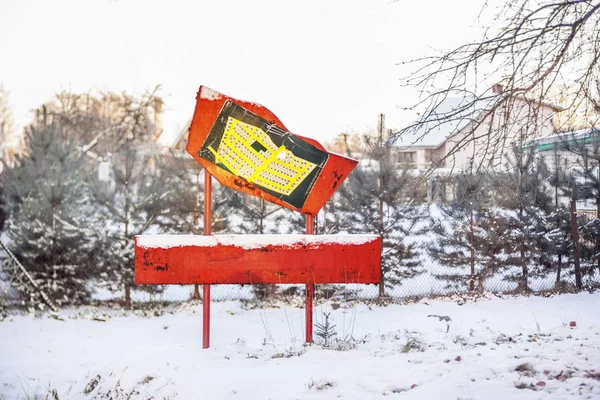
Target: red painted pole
[(206, 288), (310, 288)]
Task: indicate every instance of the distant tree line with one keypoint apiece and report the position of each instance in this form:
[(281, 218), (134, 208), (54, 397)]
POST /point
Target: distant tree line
[(516, 223), (92, 177)]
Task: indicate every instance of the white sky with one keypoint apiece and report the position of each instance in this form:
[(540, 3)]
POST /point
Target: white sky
[(323, 67)]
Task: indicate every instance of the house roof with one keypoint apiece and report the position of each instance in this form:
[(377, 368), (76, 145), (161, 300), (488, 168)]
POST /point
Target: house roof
[(446, 120), (450, 116), (171, 141), (566, 139)]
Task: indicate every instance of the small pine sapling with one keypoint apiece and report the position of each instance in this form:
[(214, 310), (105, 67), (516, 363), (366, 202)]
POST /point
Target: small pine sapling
[(326, 330)]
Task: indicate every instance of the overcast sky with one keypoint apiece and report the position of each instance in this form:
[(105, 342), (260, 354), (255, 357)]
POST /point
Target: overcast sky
[(322, 66)]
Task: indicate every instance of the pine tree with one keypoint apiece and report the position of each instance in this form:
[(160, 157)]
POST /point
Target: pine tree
[(459, 237), (560, 242), (522, 192), (377, 201), (492, 248), (329, 221), (587, 186), (48, 208), (590, 253), (127, 206), (183, 182), (2, 208), (115, 129), (391, 219), (258, 215), (401, 257), (183, 185)]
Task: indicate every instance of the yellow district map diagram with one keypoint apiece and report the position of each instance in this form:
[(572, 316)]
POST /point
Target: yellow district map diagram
[(248, 152)]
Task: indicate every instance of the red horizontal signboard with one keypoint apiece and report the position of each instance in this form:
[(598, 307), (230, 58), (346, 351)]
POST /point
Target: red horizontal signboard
[(247, 148), (252, 259)]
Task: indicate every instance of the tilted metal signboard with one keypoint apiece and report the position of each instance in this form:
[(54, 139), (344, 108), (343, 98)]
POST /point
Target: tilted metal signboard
[(247, 148)]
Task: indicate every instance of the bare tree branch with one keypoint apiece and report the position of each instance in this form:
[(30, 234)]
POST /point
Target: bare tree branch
[(541, 48)]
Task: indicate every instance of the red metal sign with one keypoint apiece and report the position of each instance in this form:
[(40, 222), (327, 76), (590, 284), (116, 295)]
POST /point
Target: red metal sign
[(247, 148), (253, 259)]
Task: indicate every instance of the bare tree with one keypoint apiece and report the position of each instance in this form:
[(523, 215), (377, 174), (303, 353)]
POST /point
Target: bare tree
[(350, 144), (105, 122), (9, 142), (530, 47), (580, 112)]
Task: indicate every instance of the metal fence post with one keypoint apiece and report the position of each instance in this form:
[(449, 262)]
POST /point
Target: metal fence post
[(575, 234)]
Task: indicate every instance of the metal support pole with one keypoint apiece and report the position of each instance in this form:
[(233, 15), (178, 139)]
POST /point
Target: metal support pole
[(576, 249), (310, 287), (206, 288)]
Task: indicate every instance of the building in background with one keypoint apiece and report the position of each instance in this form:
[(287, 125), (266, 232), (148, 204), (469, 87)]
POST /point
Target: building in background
[(576, 154), (178, 142), (466, 133)]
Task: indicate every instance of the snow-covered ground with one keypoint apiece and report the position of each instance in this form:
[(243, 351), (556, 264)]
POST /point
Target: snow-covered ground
[(513, 348)]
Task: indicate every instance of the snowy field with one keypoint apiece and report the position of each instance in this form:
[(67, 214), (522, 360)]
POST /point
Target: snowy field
[(514, 348)]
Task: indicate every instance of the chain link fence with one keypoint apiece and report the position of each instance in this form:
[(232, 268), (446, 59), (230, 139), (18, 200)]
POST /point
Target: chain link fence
[(428, 277)]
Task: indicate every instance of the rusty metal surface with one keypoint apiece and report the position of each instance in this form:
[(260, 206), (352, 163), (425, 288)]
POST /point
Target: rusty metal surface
[(310, 288), (209, 106), (206, 288), (300, 263)]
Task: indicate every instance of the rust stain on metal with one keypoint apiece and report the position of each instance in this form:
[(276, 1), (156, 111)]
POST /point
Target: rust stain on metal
[(146, 262), (337, 177), (243, 184)]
